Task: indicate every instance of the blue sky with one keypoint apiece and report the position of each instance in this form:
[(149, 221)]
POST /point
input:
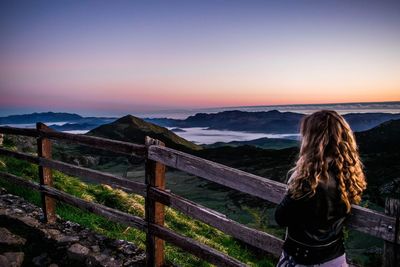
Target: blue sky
[(108, 57)]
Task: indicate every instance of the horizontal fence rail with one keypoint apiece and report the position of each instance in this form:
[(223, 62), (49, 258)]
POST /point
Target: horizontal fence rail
[(92, 141), (200, 250), (19, 131), (157, 156), (99, 143), (218, 173), (246, 234), (86, 173), (112, 214)]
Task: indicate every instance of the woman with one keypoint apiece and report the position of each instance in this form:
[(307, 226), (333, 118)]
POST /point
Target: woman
[(326, 180)]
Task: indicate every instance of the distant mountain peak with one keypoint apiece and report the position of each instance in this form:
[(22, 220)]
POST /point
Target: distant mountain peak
[(130, 119), (133, 129)]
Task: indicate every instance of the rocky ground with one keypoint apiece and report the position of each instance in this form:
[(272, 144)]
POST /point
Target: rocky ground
[(26, 241)]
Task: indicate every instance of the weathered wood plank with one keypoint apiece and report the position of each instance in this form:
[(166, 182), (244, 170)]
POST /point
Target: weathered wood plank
[(364, 220), (246, 234), (105, 178), (245, 182), (19, 181), (45, 175), (373, 223), (109, 179), (107, 212), (155, 211), (98, 142), (200, 250), (19, 131), (19, 155), (391, 250)]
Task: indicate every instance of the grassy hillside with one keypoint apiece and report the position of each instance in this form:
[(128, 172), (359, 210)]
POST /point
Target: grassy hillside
[(132, 204)]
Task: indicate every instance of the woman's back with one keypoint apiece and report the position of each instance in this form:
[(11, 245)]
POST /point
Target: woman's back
[(326, 180), (315, 224)]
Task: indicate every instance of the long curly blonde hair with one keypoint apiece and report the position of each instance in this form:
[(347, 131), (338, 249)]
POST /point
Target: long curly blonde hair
[(328, 144)]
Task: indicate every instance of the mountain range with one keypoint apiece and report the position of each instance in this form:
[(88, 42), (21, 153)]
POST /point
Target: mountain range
[(71, 121), (262, 122), (272, 121)]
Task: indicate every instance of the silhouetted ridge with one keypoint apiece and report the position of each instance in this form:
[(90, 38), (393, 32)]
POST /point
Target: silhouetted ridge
[(382, 138), (132, 129)]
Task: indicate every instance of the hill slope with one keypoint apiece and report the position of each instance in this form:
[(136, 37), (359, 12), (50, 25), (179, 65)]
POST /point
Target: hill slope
[(383, 138), (133, 129)]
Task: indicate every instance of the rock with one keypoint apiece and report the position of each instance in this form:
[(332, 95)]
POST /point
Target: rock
[(4, 261), (91, 161), (113, 263), (15, 259), (29, 221), (95, 248), (8, 238), (51, 233), (100, 258), (41, 260), (63, 239), (77, 251), (18, 211)]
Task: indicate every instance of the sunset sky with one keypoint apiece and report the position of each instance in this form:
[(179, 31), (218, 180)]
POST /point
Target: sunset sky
[(115, 57)]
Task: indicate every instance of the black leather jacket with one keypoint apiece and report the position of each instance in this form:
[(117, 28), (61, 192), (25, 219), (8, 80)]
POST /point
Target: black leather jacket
[(314, 224)]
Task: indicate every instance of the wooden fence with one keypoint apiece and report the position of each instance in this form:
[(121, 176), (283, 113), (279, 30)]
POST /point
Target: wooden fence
[(157, 157)]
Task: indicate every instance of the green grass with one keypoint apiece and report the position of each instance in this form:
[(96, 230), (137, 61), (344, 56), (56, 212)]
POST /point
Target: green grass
[(132, 204)]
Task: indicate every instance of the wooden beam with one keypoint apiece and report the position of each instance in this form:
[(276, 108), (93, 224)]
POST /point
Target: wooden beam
[(107, 212), (233, 178), (98, 142), (45, 175), (19, 155), (200, 250), (13, 179), (391, 250), (155, 211), (373, 223), (256, 238), (19, 131), (101, 177)]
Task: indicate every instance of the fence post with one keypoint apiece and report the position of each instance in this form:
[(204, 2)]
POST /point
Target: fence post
[(155, 211), (391, 251), (45, 174)]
